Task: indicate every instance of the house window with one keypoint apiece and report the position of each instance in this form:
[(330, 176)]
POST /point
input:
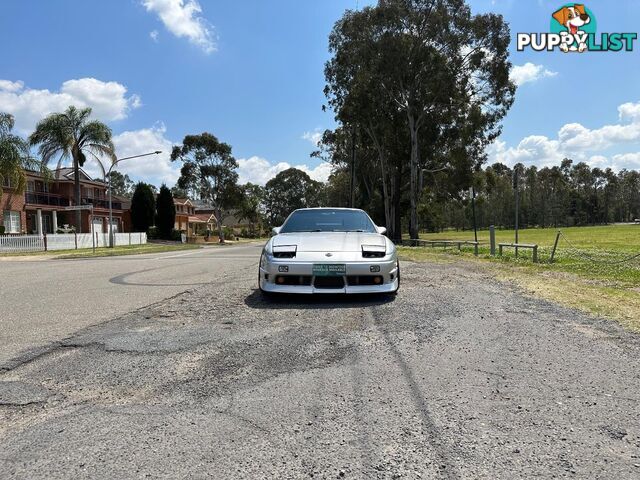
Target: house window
[(11, 222), (6, 182)]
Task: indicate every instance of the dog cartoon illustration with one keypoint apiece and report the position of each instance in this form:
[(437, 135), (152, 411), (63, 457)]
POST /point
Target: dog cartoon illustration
[(573, 18)]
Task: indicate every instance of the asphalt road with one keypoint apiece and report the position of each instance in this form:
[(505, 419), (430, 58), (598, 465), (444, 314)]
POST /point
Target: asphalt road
[(457, 377), (45, 301)]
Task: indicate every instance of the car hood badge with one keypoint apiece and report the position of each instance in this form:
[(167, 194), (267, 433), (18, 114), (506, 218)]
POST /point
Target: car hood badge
[(328, 255)]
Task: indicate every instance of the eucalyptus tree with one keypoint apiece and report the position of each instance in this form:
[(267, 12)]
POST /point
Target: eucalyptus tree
[(251, 206), (208, 173), (431, 65), (289, 190), (15, 157), (72, 135)]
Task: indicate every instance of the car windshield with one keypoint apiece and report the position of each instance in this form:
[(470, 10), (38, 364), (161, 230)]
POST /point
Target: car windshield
[(328, 220)]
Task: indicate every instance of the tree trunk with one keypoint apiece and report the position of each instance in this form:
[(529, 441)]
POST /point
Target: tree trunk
[(413, 189), (76, 185), (219, 222), (385, 183), (395, 206)]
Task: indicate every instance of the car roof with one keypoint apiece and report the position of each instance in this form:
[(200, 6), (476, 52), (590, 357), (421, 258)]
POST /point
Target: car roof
[(329, 208)]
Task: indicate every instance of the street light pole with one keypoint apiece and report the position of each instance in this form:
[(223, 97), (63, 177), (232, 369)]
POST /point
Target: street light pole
[(108, 174)]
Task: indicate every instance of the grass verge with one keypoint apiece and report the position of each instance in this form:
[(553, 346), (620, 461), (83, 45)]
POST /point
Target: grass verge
[(106, 252), (611, 291)]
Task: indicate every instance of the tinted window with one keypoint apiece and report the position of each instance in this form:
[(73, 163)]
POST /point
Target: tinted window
[(327, 220)]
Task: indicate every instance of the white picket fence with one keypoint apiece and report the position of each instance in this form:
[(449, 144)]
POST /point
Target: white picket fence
[(36, 243), (21, 243)]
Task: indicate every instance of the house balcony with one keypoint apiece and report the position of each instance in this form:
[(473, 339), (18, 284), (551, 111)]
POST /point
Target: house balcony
[(101, 203), (48, 199)]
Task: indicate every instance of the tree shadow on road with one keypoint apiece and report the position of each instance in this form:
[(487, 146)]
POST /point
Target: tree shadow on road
[(258, 300)]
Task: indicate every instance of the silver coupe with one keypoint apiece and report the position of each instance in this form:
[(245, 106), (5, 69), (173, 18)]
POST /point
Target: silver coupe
[(329, 250)]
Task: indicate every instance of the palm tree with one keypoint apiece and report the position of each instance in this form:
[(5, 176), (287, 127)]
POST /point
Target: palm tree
[(14, 156), (71, 135)]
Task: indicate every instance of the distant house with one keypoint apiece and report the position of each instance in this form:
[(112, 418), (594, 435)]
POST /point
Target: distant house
[(45, 205), (187, 220), (229, 219)]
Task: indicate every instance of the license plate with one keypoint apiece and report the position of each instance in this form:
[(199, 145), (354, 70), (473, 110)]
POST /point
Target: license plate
[(329, 270)]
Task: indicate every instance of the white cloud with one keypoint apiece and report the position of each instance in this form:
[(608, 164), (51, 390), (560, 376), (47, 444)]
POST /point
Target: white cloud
[(108, 100), (579, 143), (154, 169), (529, 73), (314, 137), (630, 161), (629, 111), (154, 35), (9, 86), (320, 173), (259, 170), (182, 18)]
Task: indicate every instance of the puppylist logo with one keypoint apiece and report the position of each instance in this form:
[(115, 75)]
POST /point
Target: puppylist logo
[(574, 29)]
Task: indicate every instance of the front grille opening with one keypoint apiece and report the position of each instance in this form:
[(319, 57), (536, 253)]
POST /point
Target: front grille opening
[(304, 280), (373, 254), (284, 254), (329, 282), (355, 280)]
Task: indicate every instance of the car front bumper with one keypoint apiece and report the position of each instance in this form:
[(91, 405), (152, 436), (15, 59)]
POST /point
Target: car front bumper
[(269, 271)]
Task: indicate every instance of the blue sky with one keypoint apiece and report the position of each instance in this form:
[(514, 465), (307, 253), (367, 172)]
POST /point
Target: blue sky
[(251, 72)]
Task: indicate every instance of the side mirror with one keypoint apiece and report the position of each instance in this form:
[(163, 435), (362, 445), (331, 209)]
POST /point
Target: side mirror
[(382, 230), (276, 230)]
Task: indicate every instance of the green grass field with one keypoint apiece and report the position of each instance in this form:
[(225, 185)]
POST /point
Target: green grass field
[(611, 237), (591, 252), (592, 270)]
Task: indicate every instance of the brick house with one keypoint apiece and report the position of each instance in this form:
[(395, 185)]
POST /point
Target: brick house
[(42, 208), (187, 221)]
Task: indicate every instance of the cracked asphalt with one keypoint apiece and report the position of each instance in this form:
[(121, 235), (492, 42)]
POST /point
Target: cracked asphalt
[(457, 377)]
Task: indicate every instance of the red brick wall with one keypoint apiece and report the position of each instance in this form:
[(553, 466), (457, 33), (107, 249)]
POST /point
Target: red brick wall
[(13, 202)]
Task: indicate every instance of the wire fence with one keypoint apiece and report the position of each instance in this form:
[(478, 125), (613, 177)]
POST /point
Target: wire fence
[(594, 259), (565, 250)]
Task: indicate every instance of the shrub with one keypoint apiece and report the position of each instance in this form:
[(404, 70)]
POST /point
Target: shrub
[(1, 229), (153, 233), (143, 207), (176, 235), (228, 233), (166, 217)]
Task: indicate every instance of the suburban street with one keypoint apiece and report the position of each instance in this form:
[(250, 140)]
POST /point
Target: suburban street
[(174, 366), (45, 301)]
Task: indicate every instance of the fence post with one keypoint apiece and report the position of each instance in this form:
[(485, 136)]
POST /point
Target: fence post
[(75, 237), (44, 236), (535, 254), (555, 246), (492, 239), (475, 249), (500, 250)]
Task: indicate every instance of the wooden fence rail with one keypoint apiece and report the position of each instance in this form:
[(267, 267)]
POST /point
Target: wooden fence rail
[(443, 243)]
